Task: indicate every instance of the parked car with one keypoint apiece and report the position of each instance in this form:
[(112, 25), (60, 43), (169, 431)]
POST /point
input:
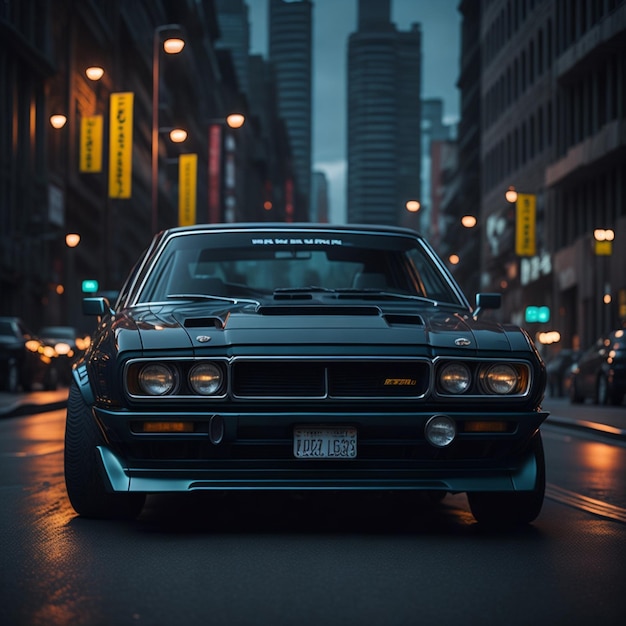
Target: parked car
[(222, 366), (600, 372), (558, 369), (24, 361), (68, 344)]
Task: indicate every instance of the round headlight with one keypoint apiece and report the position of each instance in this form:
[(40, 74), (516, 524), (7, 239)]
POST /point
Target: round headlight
[(440, 430), (455, 378), (157, 379), (205, 378), (501, 378)]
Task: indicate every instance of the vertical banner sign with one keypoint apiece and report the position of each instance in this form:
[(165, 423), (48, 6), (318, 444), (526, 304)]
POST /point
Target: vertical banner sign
[(121, 145), (90, 158), (187, 177), (289, 207), (525, 224), (215, 173)]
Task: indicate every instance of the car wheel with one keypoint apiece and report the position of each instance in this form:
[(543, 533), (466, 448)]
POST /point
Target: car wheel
[(502, 509), (602, 390), (12, 383), (84, 483), (574, 395), (51, 381)]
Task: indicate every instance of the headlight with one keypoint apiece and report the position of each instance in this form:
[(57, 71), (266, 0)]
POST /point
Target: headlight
[(156, 379), (501, 379), (455, 378), (205, 379)]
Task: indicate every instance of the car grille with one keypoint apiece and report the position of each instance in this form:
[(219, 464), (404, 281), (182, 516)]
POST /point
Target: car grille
[(330, 379)]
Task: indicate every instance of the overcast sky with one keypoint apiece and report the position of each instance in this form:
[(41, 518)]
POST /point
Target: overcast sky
[(333, 21)]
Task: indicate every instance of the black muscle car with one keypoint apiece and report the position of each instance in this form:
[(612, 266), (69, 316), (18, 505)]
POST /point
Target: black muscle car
[(302, 357)]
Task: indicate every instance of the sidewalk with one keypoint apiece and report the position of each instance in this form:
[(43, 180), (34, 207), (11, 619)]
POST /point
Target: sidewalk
[(608, 421), (12, 404)]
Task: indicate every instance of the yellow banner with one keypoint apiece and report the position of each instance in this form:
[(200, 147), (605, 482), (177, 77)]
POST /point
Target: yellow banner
[(187, 176), (525, 224), (121, 145), (90, 158)]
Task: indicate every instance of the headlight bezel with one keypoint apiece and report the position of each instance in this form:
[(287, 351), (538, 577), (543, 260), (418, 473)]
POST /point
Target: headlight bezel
[(482, 374), (181, 370)]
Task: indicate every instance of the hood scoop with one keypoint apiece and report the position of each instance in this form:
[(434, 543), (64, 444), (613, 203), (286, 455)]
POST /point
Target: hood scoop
[(404, 320), (203, 322), (319, 310)]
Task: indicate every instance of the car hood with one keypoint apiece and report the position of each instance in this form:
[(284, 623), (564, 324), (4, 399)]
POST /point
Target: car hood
[(200, 326)]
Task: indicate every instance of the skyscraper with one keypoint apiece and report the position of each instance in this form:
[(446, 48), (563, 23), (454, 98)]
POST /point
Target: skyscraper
[(290, 43), (384, 117), (235, 36)]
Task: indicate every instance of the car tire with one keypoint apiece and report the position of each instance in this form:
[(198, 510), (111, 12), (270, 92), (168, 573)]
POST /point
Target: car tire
[(574, 395), (12, 383), (515, 508), (602, 390), (51, 382), (83, 480)]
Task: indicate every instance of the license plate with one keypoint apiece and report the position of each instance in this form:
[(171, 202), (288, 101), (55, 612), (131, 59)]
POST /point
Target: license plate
[(324, 443)]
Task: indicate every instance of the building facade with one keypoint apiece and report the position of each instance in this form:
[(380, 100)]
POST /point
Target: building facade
[(384, 118), (552, 121), (56, 180)]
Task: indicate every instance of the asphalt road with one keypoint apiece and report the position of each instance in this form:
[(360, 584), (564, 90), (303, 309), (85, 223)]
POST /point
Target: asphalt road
[(322, 559)]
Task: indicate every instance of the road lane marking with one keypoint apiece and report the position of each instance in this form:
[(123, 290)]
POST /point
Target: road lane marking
[(584, 503)]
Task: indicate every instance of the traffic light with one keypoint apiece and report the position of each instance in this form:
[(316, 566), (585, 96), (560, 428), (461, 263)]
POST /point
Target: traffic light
[(537, 314)]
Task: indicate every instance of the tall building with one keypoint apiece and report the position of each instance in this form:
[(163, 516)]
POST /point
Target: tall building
[(235, 37), (290, 52), (384, 117)]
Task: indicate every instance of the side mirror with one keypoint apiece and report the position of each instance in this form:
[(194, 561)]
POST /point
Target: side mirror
[(487, 301), (96, 306)]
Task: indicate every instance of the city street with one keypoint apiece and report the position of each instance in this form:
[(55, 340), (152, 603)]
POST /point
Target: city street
[(316, 559)]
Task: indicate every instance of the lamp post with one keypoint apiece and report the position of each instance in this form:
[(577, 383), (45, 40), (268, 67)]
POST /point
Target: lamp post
[(172, 45)]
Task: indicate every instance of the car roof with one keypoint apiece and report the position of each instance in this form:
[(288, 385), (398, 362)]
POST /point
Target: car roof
[(303, 226)]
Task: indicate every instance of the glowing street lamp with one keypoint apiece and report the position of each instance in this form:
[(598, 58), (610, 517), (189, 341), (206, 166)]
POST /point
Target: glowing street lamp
[(58, 120), (171, 45), (468, 221), (94, 72), (413, 206)]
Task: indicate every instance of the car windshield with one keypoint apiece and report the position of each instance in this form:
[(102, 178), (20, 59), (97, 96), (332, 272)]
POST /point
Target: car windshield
[(245, 264)]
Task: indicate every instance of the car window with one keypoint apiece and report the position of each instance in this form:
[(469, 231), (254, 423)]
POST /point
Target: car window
[(245, 265)]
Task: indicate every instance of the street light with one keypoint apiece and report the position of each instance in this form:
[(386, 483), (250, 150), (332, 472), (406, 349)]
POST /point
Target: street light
[(171, 45), (94, 72), (413, 206), (58, 120)]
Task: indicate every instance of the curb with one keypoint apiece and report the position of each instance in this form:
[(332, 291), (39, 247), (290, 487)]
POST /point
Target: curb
[(602, 429)]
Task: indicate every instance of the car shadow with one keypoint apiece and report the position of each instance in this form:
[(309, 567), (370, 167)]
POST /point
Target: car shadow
[(313, 513)]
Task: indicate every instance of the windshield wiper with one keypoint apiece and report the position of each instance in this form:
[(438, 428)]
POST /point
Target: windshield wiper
[(208, 296), (387, 294)]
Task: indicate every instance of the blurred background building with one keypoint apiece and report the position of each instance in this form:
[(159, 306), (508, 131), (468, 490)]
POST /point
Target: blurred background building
[(543, 113), (62, 61), (290, 54), (384, 118)]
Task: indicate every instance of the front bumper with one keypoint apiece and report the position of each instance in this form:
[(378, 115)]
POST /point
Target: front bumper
[(255, 453)]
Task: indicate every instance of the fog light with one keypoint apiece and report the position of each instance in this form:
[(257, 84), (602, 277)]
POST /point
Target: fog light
[(440, 431)]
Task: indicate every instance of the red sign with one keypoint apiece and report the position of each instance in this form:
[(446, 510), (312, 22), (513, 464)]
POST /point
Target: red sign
[(215, 173)]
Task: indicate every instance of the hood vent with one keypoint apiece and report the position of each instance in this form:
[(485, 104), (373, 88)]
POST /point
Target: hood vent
[(320, 310), (404, 320), (202, 322)]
